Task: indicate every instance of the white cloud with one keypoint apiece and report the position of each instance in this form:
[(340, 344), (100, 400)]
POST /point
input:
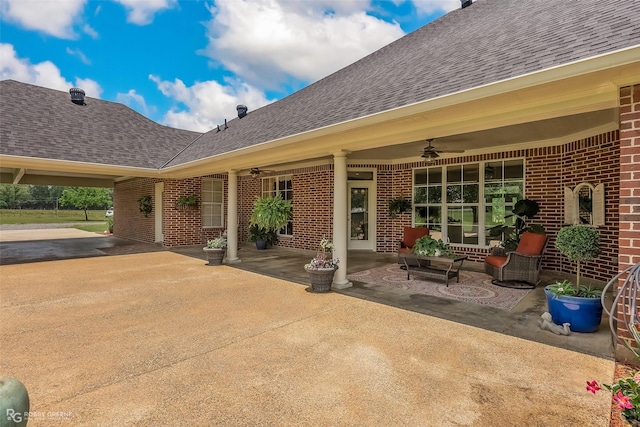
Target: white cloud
[(430, 6), (135, 101), (266, 42), (45, 73), (208, 103), (79, 54), (87, 29), (51, 17), (141, 12)]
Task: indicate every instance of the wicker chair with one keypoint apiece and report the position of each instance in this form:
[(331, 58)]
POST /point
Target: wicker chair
[(409, 237), (521, 266)]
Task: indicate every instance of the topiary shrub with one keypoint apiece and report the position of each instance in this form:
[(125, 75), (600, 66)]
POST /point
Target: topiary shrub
[(578, 243)]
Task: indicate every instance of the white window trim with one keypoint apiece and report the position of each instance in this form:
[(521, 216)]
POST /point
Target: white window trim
[(221, 203), (481, 197)]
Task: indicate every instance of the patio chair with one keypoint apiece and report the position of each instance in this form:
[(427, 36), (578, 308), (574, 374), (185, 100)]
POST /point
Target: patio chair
[(409, 237), (518, 269)]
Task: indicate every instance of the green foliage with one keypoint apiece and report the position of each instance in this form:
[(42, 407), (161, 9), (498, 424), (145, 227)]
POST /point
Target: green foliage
[(217, 243), (93, 227), (184, 201), (47, 196), (398, 205), (85, 198), (110, 224), (13, 196), (522, 211), (578, 243), (35, 196), (566, 288), (145, 205), (271, 213), (37, 216), (258, 233), (427, 246)]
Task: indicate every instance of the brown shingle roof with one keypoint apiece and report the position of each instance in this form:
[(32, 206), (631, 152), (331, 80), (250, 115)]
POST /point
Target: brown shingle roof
[(44, 123), (489, 41)]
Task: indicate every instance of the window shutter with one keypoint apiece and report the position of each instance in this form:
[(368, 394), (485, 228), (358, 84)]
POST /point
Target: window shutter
[(569, 206), (598, 205)]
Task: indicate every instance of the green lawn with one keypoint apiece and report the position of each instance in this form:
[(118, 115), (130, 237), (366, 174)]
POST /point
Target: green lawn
[(32, 216)]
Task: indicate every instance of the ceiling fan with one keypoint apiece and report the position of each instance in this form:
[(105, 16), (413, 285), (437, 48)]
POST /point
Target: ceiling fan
[(430, 153), (256, 172)]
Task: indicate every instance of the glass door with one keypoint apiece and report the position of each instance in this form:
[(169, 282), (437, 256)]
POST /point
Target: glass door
[(361, 218)]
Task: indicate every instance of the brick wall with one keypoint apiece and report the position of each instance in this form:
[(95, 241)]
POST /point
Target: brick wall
[(548, 171), (181, 226), (128, 221), (629, 176), (312, 205), (629, 200)]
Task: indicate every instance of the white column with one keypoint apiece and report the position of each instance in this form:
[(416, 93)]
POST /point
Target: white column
[(340, 218), (232, 217)]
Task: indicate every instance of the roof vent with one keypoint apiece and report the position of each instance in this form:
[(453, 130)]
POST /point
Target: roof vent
[(466, 3), (77, 95), (242, 111)]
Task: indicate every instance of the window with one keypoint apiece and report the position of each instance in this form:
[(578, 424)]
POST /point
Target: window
[(503, 187), (282, 185), (427, 198), (461, 202), (212, 202)]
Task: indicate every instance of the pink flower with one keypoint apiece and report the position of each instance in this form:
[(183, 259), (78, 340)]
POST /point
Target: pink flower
[(622, 401), (593, 386)]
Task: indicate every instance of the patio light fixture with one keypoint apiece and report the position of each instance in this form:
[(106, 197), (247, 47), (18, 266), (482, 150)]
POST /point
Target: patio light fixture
[(429, 155)]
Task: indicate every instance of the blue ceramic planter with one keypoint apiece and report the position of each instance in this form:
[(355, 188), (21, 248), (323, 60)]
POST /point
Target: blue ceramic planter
[(584, 314)]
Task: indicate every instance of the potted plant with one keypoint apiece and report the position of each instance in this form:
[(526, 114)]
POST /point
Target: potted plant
[(322, 267), (428, 246), (270, 214), (578, 305), (215, 250), (145, 205), (187, 201), (522, 211), (398, 205), (262, 237)]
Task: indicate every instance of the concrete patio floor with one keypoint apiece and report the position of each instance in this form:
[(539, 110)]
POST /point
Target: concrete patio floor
[(162, 339), (521, 321)]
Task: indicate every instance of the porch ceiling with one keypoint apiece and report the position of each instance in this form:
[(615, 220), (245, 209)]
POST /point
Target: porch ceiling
[(542, 132)]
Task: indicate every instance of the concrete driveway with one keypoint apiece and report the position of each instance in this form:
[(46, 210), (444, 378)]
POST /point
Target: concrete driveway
[(41, 242), (162, 339)]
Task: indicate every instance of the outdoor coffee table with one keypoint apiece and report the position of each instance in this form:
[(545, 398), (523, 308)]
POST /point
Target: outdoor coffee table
[(442, 266)]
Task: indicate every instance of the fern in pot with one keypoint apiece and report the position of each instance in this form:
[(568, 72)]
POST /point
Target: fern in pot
[(270, 214), (576, 304)]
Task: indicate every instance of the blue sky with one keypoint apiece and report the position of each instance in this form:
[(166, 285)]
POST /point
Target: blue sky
[(187, 64)]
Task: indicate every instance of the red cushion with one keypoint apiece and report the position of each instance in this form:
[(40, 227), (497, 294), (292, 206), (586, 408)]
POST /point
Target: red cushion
[(531, 243), (412, 234), (496, 260)]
